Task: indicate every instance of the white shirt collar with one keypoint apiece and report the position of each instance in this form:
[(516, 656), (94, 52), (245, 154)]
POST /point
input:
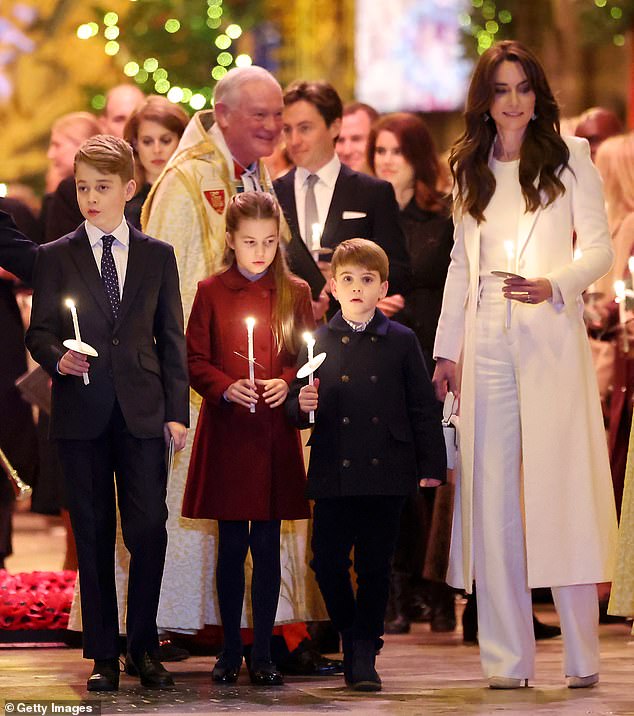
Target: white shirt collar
[(327, 174), (121, 233)]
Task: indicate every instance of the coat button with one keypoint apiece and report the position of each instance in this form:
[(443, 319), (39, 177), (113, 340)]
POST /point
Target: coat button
[(374, 378), (345, 463), (345, 378), (115, 341), (345, 340), (375, 420), (374, 339), (345, 421), (374, 462)]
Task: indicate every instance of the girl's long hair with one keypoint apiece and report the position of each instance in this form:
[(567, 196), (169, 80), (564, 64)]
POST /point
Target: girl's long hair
[(417, 147), (543, 154), (261, 205)]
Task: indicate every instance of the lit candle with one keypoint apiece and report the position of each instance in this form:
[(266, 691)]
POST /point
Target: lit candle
[(73, 312), (509, 247), (316, 238), (310, 344), (250, 354), (619, 290)]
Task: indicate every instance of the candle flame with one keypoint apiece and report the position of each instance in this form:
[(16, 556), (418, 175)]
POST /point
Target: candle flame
[(308, 337), (250, 322), (70, 303)]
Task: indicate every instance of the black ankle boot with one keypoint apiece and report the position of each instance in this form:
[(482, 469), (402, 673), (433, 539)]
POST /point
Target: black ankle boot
[(363, 675)]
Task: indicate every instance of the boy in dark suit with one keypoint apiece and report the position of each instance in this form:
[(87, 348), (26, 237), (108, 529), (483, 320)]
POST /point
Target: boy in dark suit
[(377, 436), (125, 285)]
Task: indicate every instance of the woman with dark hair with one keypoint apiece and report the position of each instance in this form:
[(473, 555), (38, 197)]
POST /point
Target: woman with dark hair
[(535, 505), (154, 130), (401, 151)]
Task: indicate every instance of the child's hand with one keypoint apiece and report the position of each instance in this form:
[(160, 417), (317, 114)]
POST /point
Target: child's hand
[(243, 392), (429, 482), (177, 431), (73, 363), (275, 391), (309, 397)]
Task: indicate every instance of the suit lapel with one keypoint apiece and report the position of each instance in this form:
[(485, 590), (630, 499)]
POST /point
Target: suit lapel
[(525, 227), (337, 205), (135, 271), (285, 190), (82, 255)]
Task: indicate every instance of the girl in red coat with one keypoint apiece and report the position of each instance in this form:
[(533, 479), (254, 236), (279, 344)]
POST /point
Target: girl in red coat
[(246, 469)]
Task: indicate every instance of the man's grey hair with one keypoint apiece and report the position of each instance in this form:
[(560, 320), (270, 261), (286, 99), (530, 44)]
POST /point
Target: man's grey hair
[(228, 88)]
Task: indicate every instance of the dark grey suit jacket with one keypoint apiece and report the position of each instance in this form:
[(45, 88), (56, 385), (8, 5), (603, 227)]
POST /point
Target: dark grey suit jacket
[(142, 359), (363, 194)]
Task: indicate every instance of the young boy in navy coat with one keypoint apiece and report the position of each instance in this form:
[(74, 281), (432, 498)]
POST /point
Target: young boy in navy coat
[(377, 436), (115, 428)]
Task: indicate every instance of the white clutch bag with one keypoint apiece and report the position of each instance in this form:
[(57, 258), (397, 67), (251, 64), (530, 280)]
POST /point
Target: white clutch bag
[(450, 425)]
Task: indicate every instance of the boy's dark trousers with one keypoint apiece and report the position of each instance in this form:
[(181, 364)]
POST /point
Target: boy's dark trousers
[(139, 466), (370, 524)]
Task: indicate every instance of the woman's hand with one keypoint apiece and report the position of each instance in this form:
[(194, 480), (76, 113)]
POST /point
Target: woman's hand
[(243, 392), (178, 431), (444, 379), (527, 290), (275, 391)]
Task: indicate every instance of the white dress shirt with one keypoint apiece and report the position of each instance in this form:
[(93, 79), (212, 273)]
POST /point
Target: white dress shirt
[(120, 247), (324, 189)]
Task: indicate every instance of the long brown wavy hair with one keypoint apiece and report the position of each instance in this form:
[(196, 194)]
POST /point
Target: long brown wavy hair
[(261, 205), (543, 154), (417, 147)]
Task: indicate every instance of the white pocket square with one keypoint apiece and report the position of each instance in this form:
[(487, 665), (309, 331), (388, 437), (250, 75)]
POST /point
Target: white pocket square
[(353, 215)]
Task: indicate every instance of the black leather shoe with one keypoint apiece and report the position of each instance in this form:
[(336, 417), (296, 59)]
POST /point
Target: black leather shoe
[(265, 674), (309, 662), (399, 625), (105, 675), (152, 673), (168, 651), (545, 631), (224, 672)]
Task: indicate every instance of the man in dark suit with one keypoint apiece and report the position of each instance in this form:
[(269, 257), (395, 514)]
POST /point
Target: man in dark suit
[(136, 399), (343, 203), (17, 253)]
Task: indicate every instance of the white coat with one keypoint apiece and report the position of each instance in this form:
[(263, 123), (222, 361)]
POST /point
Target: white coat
[(570, 518)]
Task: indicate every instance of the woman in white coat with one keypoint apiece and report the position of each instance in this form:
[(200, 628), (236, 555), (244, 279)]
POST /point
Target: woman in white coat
[(535, 506)]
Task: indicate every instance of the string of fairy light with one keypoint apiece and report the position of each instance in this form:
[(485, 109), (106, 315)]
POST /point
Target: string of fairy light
[(149, 70), (487, 22)]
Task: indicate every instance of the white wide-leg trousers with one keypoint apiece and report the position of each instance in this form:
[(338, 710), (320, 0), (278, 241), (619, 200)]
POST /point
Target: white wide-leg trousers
[(505, 626)]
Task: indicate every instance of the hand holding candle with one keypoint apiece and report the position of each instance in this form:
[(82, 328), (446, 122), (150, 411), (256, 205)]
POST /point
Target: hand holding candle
[(77, 345), (250, 354)]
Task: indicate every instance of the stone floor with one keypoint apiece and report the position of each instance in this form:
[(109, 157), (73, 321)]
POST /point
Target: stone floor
[(423, 673)]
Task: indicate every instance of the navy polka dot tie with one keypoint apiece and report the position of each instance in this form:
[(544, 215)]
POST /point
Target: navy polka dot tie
[(109, 275)]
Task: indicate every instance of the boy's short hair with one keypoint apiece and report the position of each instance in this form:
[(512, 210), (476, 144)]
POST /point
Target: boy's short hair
[(107, 154), (361, 252)]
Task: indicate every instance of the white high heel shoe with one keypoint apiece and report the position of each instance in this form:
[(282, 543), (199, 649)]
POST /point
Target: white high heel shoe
[(507, 682), (582, 682)]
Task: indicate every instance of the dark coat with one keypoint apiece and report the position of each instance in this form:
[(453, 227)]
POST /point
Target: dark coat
[(377, 428), (363, 194), (17, 252), (142, 359), (429, 238), (244, 466), (60, 212)]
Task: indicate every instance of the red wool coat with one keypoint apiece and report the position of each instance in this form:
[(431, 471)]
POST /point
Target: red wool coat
[(244, 466)]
